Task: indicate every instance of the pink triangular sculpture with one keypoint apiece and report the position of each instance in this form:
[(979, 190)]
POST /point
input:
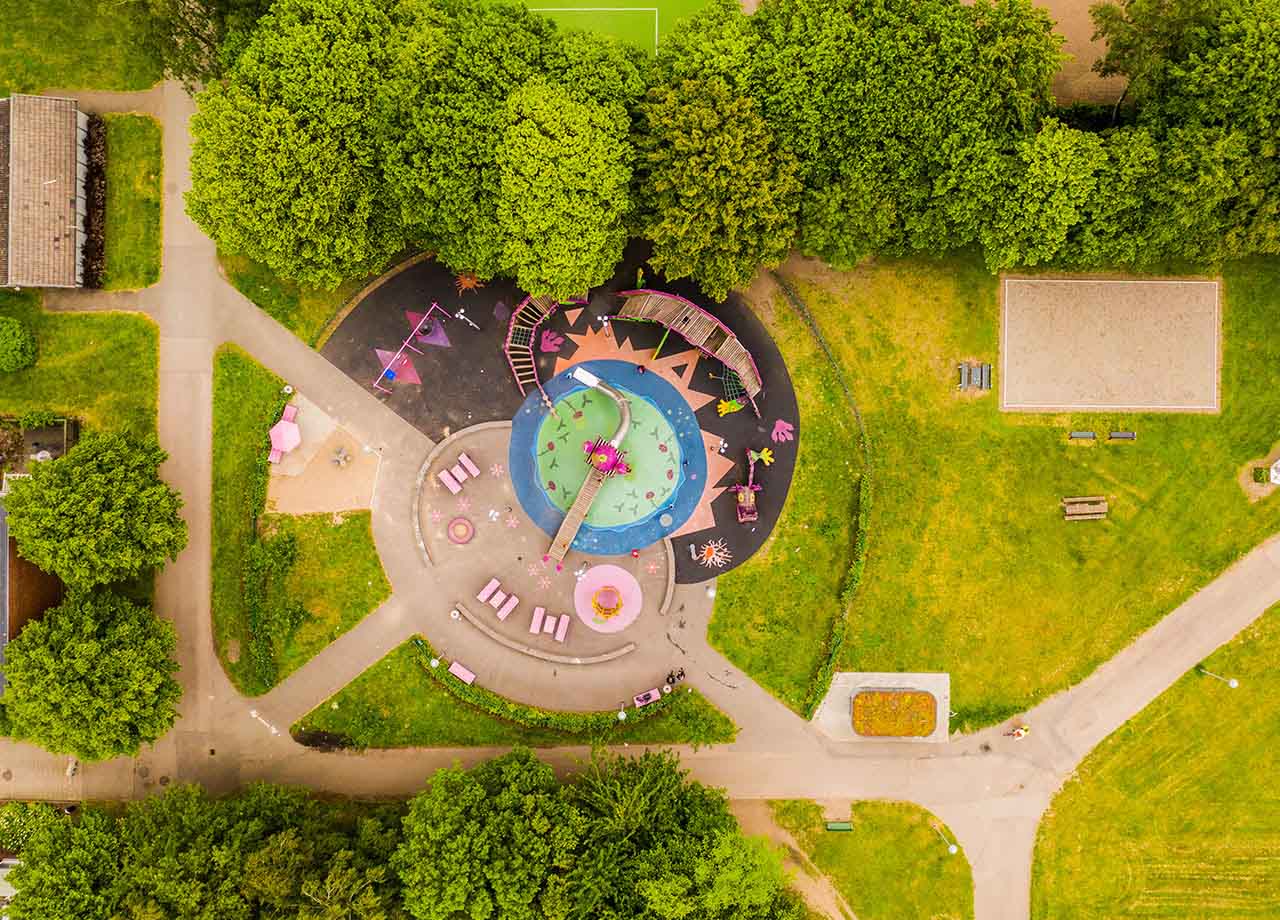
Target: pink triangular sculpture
[(402, 367)]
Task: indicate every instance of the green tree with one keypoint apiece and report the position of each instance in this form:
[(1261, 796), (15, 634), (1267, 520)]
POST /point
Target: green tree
[(733, 878), (1145, 36), (286, 161), (455, 64), (68, 870), (720, 197), (490, 842), (197, 40), (93, 678), (1054, 178), (566, 170), (99, 514), (17, 345)]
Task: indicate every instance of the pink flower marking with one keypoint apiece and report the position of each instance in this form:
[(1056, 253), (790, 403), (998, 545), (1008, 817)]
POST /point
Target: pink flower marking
[(544, 582), (464, 504), (436, 516), (652, 568), (512, 522), (783, 431), (533, 569), (496, 470)]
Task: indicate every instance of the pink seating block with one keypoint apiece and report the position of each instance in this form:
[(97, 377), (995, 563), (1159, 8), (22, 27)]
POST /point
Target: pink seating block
[(470, 467), (458, 472), (509, 606), (563, 629), (462, 672), (449, 482), (496, 601), (536, 624), (274, 456), (290, 412), (549, 625), (487, 590), (647, 697)]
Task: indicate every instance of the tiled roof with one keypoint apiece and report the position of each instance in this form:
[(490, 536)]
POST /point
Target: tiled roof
[(4, 192), (44, 188)]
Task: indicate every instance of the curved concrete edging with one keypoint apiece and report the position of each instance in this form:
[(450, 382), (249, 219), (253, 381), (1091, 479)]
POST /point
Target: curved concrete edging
[(355, 299), (671, 577), (538, 653), (422, 477)]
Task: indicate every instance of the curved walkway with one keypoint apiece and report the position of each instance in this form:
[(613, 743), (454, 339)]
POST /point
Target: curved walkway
[(988, 788)]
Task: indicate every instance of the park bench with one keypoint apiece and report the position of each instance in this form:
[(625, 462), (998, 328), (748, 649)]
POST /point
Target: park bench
[(1123, 436), (964, 376), (1082, 436), (535, 625), (510, 605), (449, 482), (644, 699), (986, 376), (465, 462), (462, 672), (487, 591), (563, 629)]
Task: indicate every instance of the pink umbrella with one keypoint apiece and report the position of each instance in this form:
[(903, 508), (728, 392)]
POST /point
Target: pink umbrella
[(285, 436)]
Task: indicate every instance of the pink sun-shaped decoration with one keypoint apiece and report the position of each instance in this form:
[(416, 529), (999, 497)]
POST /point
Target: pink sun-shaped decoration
[(497, 470), (512, 522)]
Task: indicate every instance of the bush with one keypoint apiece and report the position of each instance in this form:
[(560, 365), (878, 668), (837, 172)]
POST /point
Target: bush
[(10, 445), (1261, 474), (94, 251), (38, 418), (17, 345)]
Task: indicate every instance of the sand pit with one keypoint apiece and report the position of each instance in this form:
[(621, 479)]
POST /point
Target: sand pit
[(307, 481), (1095, 345)]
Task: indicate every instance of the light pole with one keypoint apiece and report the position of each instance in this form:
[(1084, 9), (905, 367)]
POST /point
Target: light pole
[(1229, 681), (951, 847)]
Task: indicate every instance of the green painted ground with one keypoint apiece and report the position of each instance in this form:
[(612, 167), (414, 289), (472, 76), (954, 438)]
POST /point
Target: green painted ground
[(640, 24), (397, 704), (98, 367), (135, 173), (893, 865), (651, 448), (970, 567), (1177, 814)]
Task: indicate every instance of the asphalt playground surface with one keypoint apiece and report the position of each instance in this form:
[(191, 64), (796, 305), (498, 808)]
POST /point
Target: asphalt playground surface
[(466, 380)]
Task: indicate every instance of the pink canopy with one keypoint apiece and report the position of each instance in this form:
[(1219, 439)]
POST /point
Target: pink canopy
[(285, 436)]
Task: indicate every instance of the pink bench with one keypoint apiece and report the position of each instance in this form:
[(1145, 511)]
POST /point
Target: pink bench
[(563, 629), (487, 590), (449, 482), (460, 671), (549, 625), (274, 456), (509, 606), (538, 614), (496, 600), (458, 473), (290, 413), (470, 467), (647, 697)]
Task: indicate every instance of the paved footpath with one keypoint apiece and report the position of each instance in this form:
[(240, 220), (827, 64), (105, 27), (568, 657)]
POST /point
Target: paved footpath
[(991, 790)]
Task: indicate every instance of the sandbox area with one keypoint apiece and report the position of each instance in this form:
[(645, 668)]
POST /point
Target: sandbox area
[(1084, 344)]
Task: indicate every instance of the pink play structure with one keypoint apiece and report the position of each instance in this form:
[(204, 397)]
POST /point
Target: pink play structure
[(746, 503), (285, 434), (399, 362)]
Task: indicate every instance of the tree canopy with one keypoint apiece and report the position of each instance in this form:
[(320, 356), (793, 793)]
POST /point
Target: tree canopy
[(100, 514), (93, 677)]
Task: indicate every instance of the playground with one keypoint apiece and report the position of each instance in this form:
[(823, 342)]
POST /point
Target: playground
[(591, 457)]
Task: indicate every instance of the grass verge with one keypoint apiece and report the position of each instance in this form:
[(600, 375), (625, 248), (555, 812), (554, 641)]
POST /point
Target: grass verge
[(304, 311), (891, 866), (1175, 814), (337, 577), (71, 44), (780, 637), (400, 703), (98, 367), (135, 173), (970, 568)]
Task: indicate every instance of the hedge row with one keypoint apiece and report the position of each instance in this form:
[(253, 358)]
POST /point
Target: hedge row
[(574, 723), (94, 251), (840, 625)]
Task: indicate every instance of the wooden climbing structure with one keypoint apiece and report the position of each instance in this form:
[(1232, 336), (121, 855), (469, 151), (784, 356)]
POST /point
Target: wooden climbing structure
[(699, 328), (522, 336)]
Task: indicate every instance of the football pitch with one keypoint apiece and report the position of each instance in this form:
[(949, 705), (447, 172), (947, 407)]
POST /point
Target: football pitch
[(639, 25)]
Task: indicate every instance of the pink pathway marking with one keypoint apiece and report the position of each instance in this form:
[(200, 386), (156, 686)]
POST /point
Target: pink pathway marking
[(601, 576)]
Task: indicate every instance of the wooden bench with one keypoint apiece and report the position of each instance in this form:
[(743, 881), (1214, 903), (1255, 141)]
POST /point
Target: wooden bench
[(1122, 436), (1081, 436), (1094, 516), (986, 376), (964, 376), (1084, 498), (462, 672)]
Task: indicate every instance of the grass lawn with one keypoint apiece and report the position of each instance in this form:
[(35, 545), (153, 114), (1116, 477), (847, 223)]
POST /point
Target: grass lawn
[(642, 26), (337, 577), (98, 367), (780, 641), (397, 704), (1177, 814), (304, 311), (135, 172), (73, 44), (892, 866), (970, 568)]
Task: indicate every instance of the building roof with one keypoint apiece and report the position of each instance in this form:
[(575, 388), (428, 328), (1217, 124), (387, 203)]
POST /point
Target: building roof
[(4, 192), (44, 193)]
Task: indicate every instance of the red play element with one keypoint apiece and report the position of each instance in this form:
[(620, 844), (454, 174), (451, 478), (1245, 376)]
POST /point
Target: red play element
[(467, 281)]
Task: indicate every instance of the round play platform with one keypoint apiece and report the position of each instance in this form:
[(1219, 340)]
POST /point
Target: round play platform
[(663, 449), (608, 598)]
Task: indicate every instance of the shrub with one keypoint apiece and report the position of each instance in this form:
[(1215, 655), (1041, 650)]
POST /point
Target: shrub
[(38, 418), (1261, 474), (10, 445), (94, 251), (17, 345)]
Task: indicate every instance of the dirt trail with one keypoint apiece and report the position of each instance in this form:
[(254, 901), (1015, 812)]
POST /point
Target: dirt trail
[(1076, 81), (757, 819)]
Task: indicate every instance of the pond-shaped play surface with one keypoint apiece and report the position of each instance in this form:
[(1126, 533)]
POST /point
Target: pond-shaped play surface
[(663, 447), (651, 448)]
